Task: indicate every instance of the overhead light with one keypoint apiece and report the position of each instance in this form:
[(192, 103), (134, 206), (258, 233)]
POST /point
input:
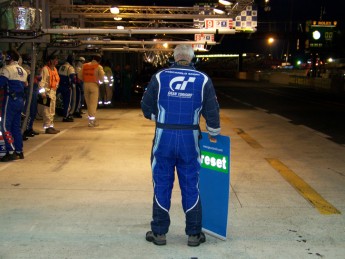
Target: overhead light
[(224, 2), (218, 11), (120, 27), (270, 40), (117, 18), (114, 10)]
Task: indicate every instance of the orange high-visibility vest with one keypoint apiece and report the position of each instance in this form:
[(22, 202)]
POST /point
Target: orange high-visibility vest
[(54, 78), (89, 73)]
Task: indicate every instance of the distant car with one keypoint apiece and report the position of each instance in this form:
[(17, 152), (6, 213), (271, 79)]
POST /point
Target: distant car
[(141, 84)]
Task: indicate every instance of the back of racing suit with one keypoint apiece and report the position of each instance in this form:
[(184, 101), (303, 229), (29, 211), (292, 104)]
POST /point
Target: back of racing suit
[(67, 86), (79, 91), (175, 99), (13, 78)]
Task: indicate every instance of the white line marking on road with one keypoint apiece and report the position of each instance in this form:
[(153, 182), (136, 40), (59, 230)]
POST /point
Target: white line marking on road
[(260, 109), (315, 131), (281, 117), (2, 168)]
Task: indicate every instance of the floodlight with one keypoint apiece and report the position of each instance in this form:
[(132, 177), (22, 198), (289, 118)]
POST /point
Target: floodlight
[(224, 2), (114, 10)]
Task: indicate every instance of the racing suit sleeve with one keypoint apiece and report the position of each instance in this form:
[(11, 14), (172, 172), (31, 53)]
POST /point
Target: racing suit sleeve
[(3, 77), (44, 83), (72, 76), (149, 100), (80, 74), (210, 110)]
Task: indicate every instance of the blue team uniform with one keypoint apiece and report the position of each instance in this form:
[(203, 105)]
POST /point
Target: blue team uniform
[(13, 78), (67, 83), (175, 99)]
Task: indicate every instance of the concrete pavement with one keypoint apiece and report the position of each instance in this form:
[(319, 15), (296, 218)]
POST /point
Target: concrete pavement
[(87, 192)]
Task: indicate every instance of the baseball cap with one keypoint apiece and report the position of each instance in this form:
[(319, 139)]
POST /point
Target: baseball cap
[(82, 59)]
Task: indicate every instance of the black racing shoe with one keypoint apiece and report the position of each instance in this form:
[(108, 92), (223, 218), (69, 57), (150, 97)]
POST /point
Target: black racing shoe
[(9, 157), (20, 155), (196, 240), (77, 115), (67, 119), (159, 240), (29, 133), (35, 132)]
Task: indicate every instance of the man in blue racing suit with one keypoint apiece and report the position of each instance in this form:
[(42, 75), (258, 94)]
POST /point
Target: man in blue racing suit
[(67, 88), (13, 78), (175, 99)]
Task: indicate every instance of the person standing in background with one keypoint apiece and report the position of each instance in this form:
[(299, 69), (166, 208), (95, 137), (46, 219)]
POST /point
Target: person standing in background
[(24, 62), (67, 87), (92, 74), (47, 89), (117, 84), (77, 113), (13, 79), (107, 86), (29, 131), (127, 81)]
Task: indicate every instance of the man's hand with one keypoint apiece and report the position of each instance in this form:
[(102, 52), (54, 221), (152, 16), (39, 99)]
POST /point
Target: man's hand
[(212, 138)]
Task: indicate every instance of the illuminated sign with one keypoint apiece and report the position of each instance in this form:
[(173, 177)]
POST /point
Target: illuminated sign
[(320, 33), (204, 37), (324, 23), (219, 24)]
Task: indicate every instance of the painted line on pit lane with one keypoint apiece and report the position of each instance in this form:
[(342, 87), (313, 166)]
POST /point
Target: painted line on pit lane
[(252, 142), (260, 109), (2, 168), (237, 100), (315, 131), (304, 189), (280, 117)]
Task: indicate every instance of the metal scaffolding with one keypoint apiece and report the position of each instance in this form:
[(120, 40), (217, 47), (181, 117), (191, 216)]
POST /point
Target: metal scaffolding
[(72, 25), (145, 16)]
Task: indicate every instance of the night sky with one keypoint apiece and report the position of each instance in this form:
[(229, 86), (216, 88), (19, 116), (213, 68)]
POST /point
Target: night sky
[(302, 10), (285, 20)]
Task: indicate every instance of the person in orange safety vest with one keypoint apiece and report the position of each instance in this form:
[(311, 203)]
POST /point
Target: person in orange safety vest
[(47, 89), (92, 74)]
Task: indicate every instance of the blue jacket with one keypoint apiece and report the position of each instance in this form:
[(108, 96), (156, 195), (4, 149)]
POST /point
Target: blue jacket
[(13, 78), (177, 96)]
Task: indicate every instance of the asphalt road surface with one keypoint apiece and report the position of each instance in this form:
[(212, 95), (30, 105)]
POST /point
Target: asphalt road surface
[(322, 112)]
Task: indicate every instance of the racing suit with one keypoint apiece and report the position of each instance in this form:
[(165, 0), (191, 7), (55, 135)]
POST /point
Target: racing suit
[(79, 92), (33, 106), (13, 78), (175, 99), (92, 74), (106, 89), (67, 87), (49, 83)]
